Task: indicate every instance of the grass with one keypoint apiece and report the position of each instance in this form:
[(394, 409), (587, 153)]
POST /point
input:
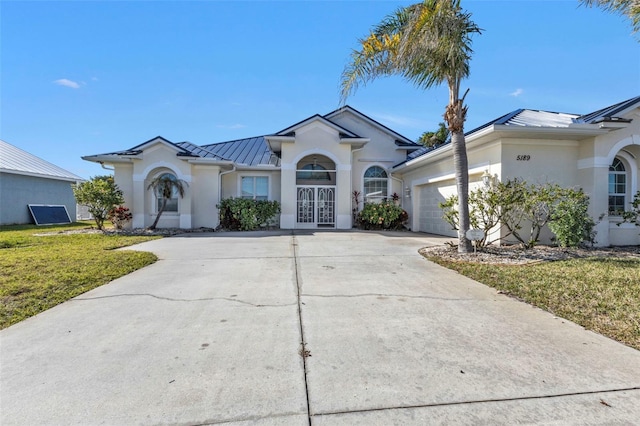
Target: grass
[(600, 294), (39, 272)]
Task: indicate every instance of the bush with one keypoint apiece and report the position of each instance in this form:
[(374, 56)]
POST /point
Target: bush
[(524, 209), (241, 214), (383, 215), (633, 215), (570, 220), (120, 216)]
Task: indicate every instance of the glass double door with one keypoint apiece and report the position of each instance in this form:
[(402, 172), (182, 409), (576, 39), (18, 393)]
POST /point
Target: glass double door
[(316, 206)]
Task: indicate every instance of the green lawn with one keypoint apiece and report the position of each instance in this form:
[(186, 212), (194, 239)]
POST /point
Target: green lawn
[(600, 294), (39, 272)]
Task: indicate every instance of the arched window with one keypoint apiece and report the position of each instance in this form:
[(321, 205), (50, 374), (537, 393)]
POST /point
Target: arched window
[(313, 171), (172, 202), (617, 187), (375, 184)]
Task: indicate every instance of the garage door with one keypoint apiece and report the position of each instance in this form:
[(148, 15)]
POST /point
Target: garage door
[(429, 214)]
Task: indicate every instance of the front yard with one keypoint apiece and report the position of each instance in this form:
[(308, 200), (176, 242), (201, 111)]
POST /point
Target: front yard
[(41, 267)]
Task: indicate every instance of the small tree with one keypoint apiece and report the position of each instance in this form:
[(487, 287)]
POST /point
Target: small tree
[(164, 185), (485, 211), (100, 195)]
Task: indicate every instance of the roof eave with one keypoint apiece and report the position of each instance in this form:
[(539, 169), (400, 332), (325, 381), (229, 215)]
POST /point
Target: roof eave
[(359, 142), (110, 159), (42, 175)]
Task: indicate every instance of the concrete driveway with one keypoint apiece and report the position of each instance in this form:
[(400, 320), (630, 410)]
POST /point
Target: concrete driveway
[(212, 333)]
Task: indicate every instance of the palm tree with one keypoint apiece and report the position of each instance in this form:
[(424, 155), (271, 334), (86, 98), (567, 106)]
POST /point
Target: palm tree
[(165, 185), (630, 8), (431, 139), (427, 43)]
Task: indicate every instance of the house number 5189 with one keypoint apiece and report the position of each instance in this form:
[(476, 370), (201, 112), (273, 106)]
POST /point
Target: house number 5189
[(523, 157)]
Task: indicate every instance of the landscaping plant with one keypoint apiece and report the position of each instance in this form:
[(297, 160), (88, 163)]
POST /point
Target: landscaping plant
[(524, 210), (633, 215), (243, 214), (570, 220), (383, 215), (100, 195), (120, 216), (164, 186)]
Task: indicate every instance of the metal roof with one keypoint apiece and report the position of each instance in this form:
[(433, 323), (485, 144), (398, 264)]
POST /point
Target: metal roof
[(198, 151), (15, 160), (544, 119), (248, 152), (609, 112)]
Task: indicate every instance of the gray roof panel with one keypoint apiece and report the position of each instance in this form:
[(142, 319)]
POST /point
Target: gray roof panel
[(15, 160), (251, 151), (608, 112)]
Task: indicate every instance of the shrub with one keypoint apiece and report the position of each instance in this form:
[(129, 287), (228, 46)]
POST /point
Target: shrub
[(633, 215), (570, 221), (242, 214), (120, 216), (524, 209), (383, 215)]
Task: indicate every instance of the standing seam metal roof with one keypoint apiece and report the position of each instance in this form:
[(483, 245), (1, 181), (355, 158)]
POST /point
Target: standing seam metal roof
[(250, 151), (16, 160)]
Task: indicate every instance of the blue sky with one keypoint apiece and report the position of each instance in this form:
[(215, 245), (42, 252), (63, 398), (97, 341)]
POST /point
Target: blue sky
[(87, 77)]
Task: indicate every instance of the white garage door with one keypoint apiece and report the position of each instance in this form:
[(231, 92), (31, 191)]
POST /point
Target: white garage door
[(429, 214)]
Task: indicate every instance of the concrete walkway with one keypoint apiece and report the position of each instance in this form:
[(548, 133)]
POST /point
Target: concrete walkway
[(212, 334)]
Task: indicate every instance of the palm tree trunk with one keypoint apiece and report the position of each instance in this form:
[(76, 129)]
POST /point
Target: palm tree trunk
[(455, 115), (461, 167), (155, 222)]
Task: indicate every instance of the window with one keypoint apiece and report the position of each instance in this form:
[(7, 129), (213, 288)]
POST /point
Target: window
[(375, 184), (172, 202), (255, 187), (313, 172), (617, 187)]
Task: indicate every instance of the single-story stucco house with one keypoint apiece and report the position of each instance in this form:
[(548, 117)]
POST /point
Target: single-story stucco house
[(27, 179), (313, 167)]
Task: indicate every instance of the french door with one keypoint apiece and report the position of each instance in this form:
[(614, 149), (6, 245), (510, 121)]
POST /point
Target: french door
[(316, 206)]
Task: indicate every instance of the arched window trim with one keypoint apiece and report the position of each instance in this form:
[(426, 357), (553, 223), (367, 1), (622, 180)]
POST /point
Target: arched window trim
[(375, 183)]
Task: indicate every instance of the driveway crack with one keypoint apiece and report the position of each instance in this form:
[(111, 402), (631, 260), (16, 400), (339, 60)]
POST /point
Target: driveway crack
[(172, 299), (480, 401), (406, 296), (304, 352)]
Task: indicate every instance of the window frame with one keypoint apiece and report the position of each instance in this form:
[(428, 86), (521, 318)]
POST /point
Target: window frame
[(614, 209), (365, 179), (255, 178)]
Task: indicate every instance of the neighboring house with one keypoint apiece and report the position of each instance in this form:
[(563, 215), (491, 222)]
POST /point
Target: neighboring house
[(598, 152), (26, 179), (313, 168)]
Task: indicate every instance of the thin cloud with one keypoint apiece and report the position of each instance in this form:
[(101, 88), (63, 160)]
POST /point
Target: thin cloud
[(517, 93), (67, 83)]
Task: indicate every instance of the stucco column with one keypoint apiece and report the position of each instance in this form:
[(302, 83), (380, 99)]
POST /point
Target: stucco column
[(205, 196), (595, 183), (343, 196), (288, 196), (139, 195)]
